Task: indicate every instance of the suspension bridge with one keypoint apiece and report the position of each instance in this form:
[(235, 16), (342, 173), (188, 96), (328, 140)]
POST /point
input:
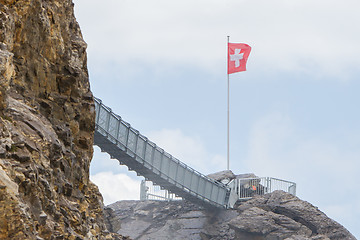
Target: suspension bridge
[(124, 143)]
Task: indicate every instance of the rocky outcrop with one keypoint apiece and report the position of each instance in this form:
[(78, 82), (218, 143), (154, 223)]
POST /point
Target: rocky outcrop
[(224, 176), (278, 215), (46, 125), (227, 175)]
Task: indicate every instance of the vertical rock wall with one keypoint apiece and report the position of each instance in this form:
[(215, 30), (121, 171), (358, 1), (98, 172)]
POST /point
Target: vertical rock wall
[(46, 125)]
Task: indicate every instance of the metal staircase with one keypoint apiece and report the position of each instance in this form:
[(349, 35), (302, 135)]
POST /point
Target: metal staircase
[(129, 147)]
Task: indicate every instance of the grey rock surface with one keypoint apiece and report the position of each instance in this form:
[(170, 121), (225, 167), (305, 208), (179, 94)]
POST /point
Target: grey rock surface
[(278, 215), (227, 175)]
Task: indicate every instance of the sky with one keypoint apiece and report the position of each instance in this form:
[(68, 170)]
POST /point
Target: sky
[(294, 114)]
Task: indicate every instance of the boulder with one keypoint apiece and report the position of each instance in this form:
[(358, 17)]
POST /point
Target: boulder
[(223, 176)]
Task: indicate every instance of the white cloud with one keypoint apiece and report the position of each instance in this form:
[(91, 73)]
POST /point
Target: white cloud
[(116, 187), (101, 162), (285, 35)]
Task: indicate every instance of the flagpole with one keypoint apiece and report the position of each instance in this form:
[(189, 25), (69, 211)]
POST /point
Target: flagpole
[(241, 53), (228, 109)]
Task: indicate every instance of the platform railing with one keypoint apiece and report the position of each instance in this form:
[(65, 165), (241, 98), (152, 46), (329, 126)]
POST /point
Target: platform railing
[(249, 187)]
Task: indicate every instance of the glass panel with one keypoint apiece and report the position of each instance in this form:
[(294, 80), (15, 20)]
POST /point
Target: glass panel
[(102, 118), (165, 165), (221, 197), (97, 105), (148, 153), (292, 189), (188, 175), (172, 171), (140, 147), (214, 193), (123, 132), (201, 189), (208, 190), (194, 182), (157, 159), (97, 111), (113, 126), (131, 141), (180, 174)]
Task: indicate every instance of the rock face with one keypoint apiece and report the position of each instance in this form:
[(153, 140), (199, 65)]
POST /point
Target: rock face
[(46, 125), (278, 215)]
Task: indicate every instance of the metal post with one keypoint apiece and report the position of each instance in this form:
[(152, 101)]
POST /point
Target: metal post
[(228, 108), (107, 123), (98, 103), (142, 190)]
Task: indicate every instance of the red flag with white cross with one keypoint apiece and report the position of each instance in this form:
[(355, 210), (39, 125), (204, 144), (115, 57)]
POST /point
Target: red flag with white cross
[(238, 54)]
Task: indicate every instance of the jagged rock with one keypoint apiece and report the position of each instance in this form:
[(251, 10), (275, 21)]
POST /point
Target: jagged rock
[(46, 125), (278, 215), (246, 175), (224, 176), (227, 175)]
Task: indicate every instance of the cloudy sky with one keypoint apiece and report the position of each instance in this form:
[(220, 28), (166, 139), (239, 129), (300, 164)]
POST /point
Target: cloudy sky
[(295, 115)]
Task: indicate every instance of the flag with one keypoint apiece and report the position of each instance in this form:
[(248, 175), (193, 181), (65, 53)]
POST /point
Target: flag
[(238, 54)]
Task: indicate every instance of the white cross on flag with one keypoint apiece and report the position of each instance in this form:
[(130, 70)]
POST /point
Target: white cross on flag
[(238, 54)]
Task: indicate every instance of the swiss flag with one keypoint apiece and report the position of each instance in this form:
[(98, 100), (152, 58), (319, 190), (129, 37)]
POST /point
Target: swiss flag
[(238, 54)]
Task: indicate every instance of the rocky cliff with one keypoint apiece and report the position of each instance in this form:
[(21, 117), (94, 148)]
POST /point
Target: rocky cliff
[(46, 125), (274, 216), (46, 138)]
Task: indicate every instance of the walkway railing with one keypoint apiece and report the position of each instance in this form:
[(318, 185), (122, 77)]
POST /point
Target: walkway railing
[(149, 191), (126, 144)]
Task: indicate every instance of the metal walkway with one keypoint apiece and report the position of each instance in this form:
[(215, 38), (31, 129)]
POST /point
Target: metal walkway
[(126, 144)]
